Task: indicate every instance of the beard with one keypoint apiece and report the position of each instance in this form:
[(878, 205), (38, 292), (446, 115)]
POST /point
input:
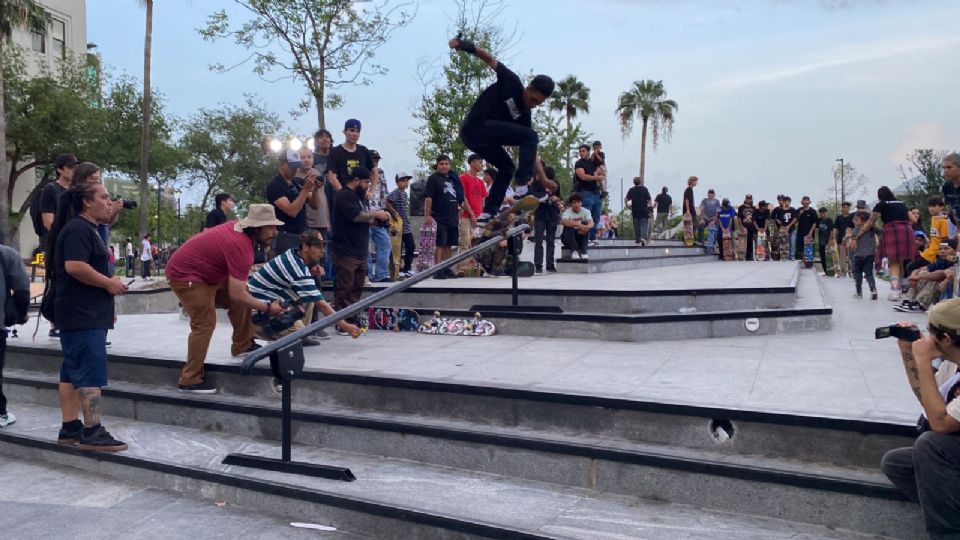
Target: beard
[(360, 191)]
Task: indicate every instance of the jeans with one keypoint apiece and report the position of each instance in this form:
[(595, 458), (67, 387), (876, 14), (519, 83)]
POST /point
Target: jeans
[(409, 247), (793, 245), (591, 201), (863, 268), (381, 240), (640, 226), (928, 474), (130, 266), (487, 139), (3, 358), (544, 231), (144, 269)]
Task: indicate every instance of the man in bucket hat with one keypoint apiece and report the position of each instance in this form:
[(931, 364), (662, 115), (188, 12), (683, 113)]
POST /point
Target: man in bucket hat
[(209, 271)]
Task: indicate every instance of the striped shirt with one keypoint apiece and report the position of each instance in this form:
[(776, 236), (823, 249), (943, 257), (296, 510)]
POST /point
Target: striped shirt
[(398, 198), (286, 278)]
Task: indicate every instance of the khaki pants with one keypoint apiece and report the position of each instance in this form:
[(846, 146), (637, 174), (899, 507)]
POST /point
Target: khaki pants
[(843, 265), (464, 242), (200, 301)]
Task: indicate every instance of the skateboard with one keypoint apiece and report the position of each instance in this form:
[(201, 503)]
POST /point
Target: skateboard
[(773, 245), (711, 243), (390, 318), (687, 230), (833, 257), (807, 252), (428, 244), (396, 239), (741, 243), (783, 241), (760, 249), (727, 245), (503, 221), (457, 327)]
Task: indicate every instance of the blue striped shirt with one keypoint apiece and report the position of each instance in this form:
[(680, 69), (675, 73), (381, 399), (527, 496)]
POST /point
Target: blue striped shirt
[(286, 278)]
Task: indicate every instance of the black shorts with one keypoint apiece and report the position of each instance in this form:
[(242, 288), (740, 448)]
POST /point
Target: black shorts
[(447, 235)]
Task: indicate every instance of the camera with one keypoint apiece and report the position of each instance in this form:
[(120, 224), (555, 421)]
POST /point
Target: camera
[(906, 333), (127, 205)]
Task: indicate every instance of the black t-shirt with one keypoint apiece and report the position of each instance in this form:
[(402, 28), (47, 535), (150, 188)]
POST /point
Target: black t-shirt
[(663, 203), (350, 239), (79, 306), (746, 213), (951, 197), (501, 101), (214, 218), (416, 197), (824, 227), (639, 197), (761, 217), (49, 198), (548, 210), (443, 199), (892, 211), (806, 219), (589, 167), (690, 205), (277, 188), (341, 161), (783, 216), (842, 225)]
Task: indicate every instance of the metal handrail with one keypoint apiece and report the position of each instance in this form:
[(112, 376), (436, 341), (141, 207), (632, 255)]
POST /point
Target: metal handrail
[(252, 358)]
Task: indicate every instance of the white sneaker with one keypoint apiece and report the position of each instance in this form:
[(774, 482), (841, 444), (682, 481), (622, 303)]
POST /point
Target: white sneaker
[(894, 295), (584, 256), (7, 419)]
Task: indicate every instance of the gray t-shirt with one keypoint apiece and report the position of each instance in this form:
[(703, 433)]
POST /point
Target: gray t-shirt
[(711, 207), (866, 244)]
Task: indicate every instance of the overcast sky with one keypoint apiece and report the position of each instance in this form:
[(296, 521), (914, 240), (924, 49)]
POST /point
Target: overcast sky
[(770, 93)]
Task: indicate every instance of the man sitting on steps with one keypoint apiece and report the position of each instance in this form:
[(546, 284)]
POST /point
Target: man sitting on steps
[(577, 223)]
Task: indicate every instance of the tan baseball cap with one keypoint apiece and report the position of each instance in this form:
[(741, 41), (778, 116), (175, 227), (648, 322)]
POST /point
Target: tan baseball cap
[(258, 215), (946, 315)]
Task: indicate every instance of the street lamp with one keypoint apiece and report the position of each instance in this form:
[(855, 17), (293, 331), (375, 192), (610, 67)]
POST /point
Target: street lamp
[(841, 179), (179, 222)]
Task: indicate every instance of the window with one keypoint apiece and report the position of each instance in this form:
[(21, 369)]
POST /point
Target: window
[(59, 37), (38, 42)]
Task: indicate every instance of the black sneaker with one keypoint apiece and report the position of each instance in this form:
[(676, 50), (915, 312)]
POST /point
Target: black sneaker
[(440, 275), (551, 269), (451, 274), (100, 441), (538, 270), (253, 346), (204, 387), (54, 333), (70, 435)]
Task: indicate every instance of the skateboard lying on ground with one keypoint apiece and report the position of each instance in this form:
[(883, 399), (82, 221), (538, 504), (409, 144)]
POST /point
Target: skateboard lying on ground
[(390, 318), (502, 222), (807, 252), (687, 230), (783, 241), (727, 245), (428, 244), (760, 249), (458, 327)]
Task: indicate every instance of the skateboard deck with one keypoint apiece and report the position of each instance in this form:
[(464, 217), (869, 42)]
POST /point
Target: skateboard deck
[(741, 243), (451, 326), (391, 318), (711, 243), (783, 241), (396, 239), (428, 244), (687, 230), (808, 252), (773, 245), (833, 257), (502, 222), (760, 249), (727, 245)]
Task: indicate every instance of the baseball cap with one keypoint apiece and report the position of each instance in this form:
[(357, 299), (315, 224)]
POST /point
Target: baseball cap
[(401, 175), (360, 172), (258, 215), (311, 237), (290, 158), (861, 203), (945, 315), (352, 123), (919, 234), (66, 160), (375, 155)]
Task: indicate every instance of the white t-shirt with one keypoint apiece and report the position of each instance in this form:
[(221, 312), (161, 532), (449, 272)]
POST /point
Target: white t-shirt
[(145, 251), (583, 216), (129, 249)]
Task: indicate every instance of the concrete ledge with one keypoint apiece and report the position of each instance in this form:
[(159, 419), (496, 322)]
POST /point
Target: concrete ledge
[(576, 266)]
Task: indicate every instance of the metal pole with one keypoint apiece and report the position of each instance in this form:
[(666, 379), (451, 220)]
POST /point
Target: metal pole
[(515, 269), (158, 218), (842, 189), (179, 224), (285, 414)]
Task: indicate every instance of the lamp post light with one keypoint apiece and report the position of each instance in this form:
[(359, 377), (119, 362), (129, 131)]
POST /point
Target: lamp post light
[(842, 194)]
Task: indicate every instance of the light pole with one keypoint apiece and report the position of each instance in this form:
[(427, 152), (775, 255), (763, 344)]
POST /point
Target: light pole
[(158, 214), (179, 222), (841, 179)]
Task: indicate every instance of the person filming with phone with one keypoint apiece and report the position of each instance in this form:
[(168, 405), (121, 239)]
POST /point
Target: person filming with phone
[(929, 472), (294, 187)]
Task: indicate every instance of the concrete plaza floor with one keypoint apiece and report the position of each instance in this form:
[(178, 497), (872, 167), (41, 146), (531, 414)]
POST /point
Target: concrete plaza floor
[(842, 373)]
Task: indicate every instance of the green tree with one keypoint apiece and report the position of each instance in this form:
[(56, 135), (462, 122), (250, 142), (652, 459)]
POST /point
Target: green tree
[(222, 153), (14, 14), (647, 100), (570, 98), (558, 144), (146, 109), (922, 176), (448, 97), (854, 187), (330, 43)]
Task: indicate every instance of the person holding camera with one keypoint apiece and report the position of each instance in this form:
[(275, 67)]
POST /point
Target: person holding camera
[(290, 192), (929, 472)]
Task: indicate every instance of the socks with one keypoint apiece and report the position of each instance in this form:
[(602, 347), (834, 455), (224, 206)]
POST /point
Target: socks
[(72, 425)]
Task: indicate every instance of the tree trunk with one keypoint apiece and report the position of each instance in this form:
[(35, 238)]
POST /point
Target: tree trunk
[(4, 178), (569, 153), (145, 133), (643, 150), (321, 117)]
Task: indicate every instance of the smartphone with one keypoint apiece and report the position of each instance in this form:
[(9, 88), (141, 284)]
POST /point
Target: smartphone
[(129, 283)]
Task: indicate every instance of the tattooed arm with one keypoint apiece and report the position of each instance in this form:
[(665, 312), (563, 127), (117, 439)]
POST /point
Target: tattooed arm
[(910, 366), (923, 353)]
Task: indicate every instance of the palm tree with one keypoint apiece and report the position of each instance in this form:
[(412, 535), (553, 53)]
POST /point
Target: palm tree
[(145, 133), (571, 97), (647, 99), (27, 15)]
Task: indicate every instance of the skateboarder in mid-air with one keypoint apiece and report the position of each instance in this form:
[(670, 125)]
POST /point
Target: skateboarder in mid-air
[(501, 117)]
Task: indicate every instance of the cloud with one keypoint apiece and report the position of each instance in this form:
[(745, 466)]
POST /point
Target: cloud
[(923, 135)]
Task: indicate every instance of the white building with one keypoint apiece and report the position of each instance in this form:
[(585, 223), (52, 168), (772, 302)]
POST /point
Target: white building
[(67, 34)]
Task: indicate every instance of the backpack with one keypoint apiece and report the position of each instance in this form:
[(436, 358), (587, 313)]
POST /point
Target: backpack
[(35, 216)]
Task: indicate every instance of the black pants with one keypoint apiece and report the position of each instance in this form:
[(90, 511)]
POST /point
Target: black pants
[(285, 241), (544, 231), (573, 240), (487, 139), (409, 247), (928, 473), (823, 257), (144, 269), (131, 271), (751, 242), (915, 264), (3, 359), (863, 268)]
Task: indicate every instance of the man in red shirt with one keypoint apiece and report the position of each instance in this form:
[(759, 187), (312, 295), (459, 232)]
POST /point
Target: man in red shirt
[(474, 192), (211, 271)]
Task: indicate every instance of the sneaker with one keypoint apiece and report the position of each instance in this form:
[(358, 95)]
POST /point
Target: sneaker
[(100, 441), (551, 269), (70, 434), (917, 308), (277, 386), (538, 270), (204, 387), (321, 334), (857, 295), (7, 419), (311, 341), (253, 346), (54, 333), (873, 295), (902, 307), (451, 274), (584, 256), (440, 275), (383, 280), (342, 333), (894, 295)]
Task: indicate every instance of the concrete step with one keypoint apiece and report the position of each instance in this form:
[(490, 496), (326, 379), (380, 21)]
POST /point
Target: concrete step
[(417, 500), (591, 266)]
